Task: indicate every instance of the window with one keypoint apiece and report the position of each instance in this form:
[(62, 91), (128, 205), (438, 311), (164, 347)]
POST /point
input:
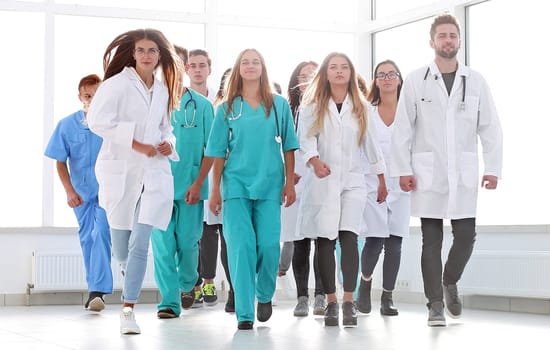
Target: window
[(21, 134), (504, 50)]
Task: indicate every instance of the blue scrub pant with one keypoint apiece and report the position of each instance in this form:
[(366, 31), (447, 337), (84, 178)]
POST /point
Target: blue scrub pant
[(176, 253), (130, 248), (252, 230), (95, 241)]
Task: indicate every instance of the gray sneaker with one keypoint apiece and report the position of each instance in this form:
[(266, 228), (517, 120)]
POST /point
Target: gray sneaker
[(302, 308), (453, 305), (319, 305), (436, 317)]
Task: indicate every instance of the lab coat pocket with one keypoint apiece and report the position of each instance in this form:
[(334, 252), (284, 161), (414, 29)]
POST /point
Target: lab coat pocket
[(355, 180), (469, 169), (157, 198), (111, 177), (468, 112), (423, 168)]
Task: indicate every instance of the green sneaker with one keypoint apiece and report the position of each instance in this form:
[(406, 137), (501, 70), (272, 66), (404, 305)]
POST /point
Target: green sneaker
[(210, 296), (199, 299)]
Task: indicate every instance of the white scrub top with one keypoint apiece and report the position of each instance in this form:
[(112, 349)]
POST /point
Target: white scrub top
[(393, 215)]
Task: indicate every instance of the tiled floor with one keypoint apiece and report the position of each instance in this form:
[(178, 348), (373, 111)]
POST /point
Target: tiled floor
[(70, 327)]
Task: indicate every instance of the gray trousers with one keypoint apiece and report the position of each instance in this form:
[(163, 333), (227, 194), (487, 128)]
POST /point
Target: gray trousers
[(461, 249)]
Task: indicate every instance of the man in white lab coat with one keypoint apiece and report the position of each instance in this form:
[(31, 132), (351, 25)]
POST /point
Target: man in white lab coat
[(443, 109)]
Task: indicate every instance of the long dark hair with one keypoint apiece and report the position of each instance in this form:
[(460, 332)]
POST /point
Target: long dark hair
[(294, 93), (374, 91), (124, 57)]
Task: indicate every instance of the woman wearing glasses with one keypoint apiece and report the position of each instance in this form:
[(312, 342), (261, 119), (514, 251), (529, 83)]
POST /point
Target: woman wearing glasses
[(130, 112), (334, 143), (251, 129), (387, 222)]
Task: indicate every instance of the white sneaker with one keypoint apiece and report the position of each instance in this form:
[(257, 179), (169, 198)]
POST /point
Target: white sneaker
[(128, 323)]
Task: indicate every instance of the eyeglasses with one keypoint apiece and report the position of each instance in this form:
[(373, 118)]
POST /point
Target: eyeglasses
[(390, 75), (140, 52), (305, 77)]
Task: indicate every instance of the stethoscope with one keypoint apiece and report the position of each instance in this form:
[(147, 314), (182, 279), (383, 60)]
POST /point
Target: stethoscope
[(186, 124), (233, 117), (461, 105)]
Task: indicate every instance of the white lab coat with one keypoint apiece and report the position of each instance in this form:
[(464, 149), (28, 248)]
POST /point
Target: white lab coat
[(393, 215), (120, 112), (336, 202), (436, 140), (289, 215)]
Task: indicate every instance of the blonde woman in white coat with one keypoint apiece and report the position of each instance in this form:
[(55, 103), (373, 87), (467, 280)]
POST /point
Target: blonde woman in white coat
[(130, 112), (334, 140), (387, 222)]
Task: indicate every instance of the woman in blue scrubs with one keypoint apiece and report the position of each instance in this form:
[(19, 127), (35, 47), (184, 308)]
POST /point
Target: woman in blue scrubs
[(251, 130)]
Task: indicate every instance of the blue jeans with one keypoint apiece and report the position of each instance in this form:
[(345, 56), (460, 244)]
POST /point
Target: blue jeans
[(130, 248)]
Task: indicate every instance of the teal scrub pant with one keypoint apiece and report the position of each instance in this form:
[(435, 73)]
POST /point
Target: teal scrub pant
[(176, 253), (252, 230)]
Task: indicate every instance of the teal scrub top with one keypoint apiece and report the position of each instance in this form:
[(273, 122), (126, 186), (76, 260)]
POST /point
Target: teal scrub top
[(191, 123), (254, 168)]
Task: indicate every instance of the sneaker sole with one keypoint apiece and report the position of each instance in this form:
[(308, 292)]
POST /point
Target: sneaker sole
[(211, 303), (437, 323), (331, 322), (451, 315), (130, 331), (166, 315), (319, 312), (349, 324), (96, 305)]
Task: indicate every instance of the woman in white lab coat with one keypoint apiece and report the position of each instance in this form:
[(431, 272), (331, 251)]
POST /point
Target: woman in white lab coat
[(334, 140), (130, 112), (387, 222)]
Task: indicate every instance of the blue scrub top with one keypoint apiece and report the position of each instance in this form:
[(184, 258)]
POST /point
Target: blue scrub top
[(72, 140), (191, 123), (254, 168)]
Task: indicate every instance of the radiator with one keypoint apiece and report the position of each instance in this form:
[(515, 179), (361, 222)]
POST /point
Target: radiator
[(64, 271), (507, 273)]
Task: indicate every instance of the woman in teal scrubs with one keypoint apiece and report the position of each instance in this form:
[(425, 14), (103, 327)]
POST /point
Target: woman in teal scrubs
[(252, 134)]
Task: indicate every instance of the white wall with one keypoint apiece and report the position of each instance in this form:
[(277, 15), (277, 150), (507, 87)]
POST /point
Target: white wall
[(19, 243)]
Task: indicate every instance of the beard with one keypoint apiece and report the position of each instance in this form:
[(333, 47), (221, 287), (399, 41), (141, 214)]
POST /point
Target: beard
[(447, 54)]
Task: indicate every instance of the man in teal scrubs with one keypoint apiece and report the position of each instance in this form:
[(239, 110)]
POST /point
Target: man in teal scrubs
[(176, 250)]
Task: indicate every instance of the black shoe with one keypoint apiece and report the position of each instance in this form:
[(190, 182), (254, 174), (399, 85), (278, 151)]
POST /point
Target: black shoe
[(230, 303), (245, 325), (363, 302), (95, 302), (166, 313), (263, 312), (331, 314), (386, 305), (349, 314), (187, 299)]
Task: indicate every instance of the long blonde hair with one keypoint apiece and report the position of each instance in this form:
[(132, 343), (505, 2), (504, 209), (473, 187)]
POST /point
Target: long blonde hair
[(319, 93), (235, 85)]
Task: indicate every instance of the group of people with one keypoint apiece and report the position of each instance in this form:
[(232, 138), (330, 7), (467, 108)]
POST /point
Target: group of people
[(324, 166)]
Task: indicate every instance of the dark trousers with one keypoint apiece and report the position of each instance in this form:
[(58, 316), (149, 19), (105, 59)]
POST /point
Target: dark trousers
[(208, 254), (461, 249), (392, 258), (349, 261), (300, 266)]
